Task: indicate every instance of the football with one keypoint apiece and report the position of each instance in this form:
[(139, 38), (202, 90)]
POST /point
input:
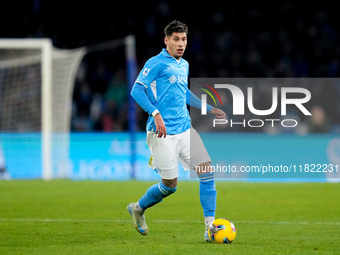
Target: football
[(222, 231)]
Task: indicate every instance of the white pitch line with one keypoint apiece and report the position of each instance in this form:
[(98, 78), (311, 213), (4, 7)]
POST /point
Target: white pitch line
[(167, 221)]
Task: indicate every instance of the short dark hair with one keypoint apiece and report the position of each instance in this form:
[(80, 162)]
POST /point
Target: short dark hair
[(175, 27)]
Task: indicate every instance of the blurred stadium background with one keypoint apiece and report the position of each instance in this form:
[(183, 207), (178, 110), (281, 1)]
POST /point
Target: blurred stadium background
[(278, 39)]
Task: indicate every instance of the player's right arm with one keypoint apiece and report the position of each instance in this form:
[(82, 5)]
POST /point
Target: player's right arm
[(139, 92)]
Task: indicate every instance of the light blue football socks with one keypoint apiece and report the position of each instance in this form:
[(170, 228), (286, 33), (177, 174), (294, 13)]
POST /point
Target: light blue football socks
[(154, 195), (208, 194)]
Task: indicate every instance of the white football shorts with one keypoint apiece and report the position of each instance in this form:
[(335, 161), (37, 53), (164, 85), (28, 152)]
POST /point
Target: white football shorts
[(186, 148)]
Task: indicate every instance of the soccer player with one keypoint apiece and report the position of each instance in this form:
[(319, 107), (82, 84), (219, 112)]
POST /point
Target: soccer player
[(161, 89)]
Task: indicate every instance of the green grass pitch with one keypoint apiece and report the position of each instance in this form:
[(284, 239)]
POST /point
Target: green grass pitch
[(89, 217)]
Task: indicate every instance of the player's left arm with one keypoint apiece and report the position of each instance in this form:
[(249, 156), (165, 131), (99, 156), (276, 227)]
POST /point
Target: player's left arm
[(194, 101)]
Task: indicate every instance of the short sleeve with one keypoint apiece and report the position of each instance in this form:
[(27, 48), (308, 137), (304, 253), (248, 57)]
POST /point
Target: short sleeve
[(149, 72)]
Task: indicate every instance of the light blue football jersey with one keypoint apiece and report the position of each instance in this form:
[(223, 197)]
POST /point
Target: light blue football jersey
[(166, 80)]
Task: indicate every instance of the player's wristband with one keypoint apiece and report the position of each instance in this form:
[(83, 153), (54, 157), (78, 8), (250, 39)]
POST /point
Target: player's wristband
[(154, 113)]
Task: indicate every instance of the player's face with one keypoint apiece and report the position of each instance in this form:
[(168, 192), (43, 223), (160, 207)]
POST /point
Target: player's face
[(176, 44)]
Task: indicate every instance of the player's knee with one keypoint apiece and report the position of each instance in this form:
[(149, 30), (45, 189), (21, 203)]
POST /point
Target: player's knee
[(170, 183), (168, 190), (204, 168)]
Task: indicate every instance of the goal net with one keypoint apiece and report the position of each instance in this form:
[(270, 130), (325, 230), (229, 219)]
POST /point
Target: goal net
[(36, 88)]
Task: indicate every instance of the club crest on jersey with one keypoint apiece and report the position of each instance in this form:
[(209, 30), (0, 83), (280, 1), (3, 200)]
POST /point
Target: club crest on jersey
[(180, 79), (172, 79)]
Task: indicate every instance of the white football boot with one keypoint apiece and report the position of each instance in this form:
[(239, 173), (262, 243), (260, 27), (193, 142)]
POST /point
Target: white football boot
[(138, 219), (206, 235)]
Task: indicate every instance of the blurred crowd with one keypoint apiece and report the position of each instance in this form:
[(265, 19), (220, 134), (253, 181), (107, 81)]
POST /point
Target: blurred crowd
[(278, 39)]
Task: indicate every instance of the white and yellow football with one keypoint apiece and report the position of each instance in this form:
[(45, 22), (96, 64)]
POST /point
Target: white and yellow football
[(222, 231)]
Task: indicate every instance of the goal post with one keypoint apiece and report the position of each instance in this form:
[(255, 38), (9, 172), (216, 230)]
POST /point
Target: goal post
[(44, 76), (46, 114), (131, 66), (45, 46)]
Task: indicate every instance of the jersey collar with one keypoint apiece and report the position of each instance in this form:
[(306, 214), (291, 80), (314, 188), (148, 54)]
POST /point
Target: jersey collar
[(165, 53)]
